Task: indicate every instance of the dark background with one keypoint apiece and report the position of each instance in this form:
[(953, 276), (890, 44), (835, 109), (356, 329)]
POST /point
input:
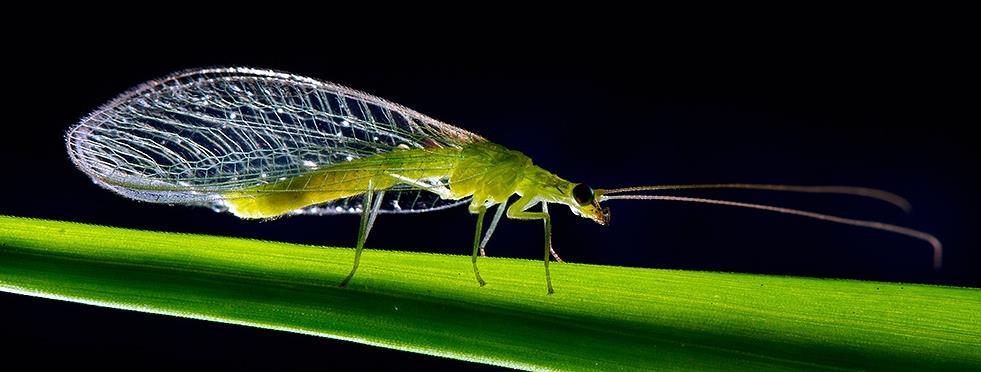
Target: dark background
[(879, 107)]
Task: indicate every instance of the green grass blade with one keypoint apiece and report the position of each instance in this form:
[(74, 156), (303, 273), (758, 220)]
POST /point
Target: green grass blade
[(600, 318)]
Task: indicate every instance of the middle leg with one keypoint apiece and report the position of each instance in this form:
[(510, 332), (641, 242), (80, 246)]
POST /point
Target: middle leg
[(493, 225), (518, 211)]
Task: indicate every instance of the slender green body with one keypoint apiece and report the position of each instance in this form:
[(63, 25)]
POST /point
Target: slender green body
[(487, 172), (484, 171)]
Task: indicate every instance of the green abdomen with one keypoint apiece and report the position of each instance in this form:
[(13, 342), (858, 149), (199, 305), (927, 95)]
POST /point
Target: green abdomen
[(341, 181), (483, 170)]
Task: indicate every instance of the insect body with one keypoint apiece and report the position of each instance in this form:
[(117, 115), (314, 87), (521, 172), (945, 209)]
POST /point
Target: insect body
[(263, 144)]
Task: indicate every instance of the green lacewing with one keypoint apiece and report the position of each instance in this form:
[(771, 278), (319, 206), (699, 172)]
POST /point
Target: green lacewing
[(264, 144)]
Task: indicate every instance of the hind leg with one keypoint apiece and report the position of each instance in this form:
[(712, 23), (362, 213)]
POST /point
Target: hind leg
[(369, 210)]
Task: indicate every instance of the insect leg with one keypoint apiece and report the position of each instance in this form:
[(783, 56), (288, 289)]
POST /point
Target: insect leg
[(518, 211), (374, 212), (493, 224), (476, 243), (556, 255), (368, 212)]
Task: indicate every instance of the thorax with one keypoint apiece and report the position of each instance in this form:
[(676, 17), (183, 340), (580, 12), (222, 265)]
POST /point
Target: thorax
[(491, 173)]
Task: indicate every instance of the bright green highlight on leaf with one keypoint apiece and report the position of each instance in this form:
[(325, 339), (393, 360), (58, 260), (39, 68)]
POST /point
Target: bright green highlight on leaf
[(600, 318)]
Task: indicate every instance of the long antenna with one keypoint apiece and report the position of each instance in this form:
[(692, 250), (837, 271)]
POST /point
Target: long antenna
[(937, 247), (882, 195)]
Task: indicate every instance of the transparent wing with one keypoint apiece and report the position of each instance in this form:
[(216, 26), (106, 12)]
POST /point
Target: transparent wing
[(193, 135), (402, 201)]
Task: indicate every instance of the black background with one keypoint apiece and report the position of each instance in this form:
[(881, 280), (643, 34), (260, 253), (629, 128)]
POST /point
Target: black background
[(878, 106)]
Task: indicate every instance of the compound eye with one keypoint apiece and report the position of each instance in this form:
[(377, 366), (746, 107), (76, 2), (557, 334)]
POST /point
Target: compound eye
[(583, 194)]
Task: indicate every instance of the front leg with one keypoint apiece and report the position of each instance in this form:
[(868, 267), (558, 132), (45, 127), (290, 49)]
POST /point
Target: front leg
[(519, 211)]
